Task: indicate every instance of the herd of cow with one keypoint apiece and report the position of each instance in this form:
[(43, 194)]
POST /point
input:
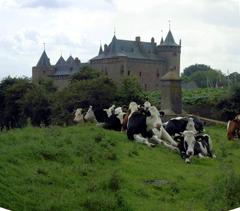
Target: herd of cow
[(144, 125)]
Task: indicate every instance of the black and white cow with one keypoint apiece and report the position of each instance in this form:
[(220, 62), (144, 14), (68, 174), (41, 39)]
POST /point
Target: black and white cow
[(110, 118), (137, 127), (145, 126), (178, 125), (190, 144)]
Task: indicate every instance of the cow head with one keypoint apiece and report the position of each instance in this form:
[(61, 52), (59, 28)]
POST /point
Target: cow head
[(110, 110), (78, 115), (146, 105), (133, 107), (189, 142), (89, 116), (237, 117)]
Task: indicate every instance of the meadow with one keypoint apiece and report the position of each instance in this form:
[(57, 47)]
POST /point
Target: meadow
[(84, 167)]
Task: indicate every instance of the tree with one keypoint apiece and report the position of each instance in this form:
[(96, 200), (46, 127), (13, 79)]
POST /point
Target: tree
[(96, 90), (230, 105), (86, 73), (37, 106), (195, 68), (12, 91), (130, 90)]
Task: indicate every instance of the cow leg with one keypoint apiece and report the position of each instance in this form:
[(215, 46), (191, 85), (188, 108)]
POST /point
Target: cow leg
[(142, 140), (167, 137), (160, 141), (203, 149)]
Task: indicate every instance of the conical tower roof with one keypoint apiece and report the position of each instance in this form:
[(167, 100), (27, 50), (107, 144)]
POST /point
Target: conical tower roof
[(113, 45), (70, 60), (161, 42), (169, 41), (100, 50), (44, 61), (60, 61)]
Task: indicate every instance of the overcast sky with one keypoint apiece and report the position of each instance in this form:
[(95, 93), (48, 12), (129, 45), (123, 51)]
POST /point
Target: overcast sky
[(209, 29)]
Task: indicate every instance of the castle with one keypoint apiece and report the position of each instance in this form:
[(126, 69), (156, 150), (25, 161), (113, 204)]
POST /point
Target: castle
[(156, 66)]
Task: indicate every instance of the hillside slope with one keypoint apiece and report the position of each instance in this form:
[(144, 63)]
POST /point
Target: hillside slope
[(88, 168)]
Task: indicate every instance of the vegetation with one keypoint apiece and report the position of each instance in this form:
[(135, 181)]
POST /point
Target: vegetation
[(84, 167), (204, 76)]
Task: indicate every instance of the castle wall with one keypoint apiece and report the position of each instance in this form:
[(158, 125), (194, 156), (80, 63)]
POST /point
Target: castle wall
[(148, 72), (41, 72)]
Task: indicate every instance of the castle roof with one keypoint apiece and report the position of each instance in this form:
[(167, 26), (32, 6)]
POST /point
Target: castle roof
[(70, 60), (127, 48), (169, 40), (44, 61), (61, 61)]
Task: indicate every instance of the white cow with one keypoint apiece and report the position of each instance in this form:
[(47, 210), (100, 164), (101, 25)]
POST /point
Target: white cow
[(79, 115), (191, 126), (160, 135)]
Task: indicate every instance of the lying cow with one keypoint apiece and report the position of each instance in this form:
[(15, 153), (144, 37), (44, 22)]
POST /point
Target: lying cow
[(190, 144), (105, 117), (79, 116), (233, 128), (146, 126), (178, 125)]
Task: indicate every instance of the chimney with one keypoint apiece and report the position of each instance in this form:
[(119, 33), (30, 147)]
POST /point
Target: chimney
[(138, 39)]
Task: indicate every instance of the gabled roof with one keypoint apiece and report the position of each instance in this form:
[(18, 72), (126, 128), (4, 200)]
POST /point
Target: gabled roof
[(169, 40), (44, 61), (60, 61), (70, 60)]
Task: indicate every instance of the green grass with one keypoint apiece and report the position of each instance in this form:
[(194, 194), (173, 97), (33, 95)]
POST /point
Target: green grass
[(89, 168)]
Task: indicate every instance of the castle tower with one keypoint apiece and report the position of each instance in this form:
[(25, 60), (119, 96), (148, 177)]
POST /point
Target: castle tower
[(42, 68), (171, 51), (171, 92)]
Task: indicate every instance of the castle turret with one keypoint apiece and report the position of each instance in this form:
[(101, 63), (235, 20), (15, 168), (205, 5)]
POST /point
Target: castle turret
[(171, 51), (42, 68), (100, 51)]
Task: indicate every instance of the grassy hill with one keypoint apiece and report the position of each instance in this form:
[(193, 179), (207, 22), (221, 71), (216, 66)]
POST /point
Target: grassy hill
[(89, 168)]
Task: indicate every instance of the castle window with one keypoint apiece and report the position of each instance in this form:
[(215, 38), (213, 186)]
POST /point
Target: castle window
[(44, 72), (71, 68), (174, 54), (128, 72), (122, 69), (140, 74), (158, 73)]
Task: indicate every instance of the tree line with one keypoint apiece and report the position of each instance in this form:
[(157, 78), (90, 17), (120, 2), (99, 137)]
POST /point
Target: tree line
[(204, 76), (23, 102)]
